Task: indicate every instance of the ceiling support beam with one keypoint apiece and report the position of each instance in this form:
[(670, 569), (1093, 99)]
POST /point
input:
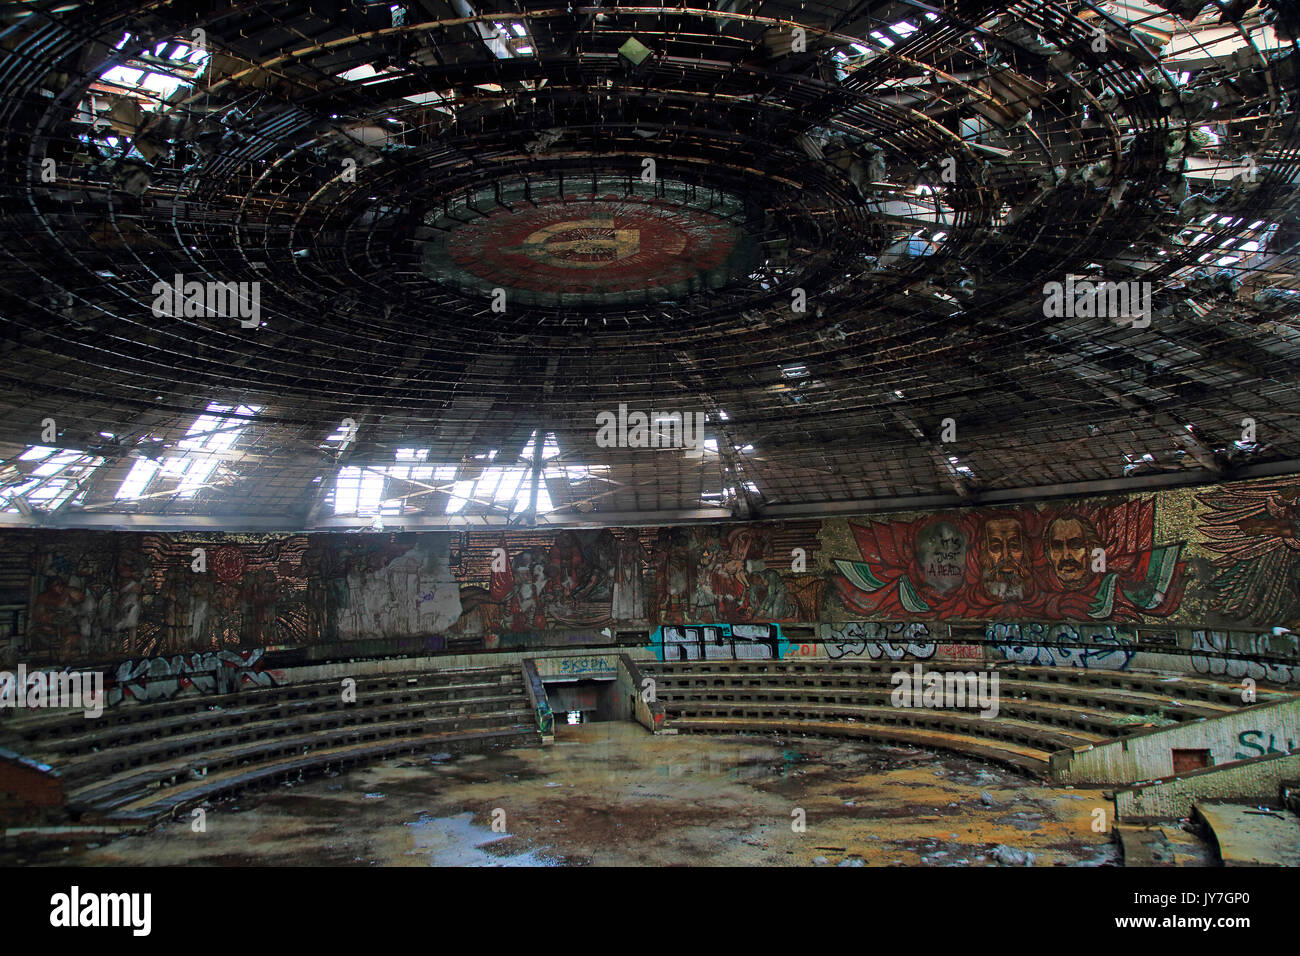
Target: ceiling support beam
[(941, 463), (808, 510)]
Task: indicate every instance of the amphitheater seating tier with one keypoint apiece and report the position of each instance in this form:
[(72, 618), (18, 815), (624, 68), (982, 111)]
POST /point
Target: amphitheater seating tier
[(139, 762), (1040, 709)]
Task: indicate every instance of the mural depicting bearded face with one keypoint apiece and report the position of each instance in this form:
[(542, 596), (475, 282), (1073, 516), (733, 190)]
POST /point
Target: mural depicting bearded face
[(1004, 569), (1068, 543)]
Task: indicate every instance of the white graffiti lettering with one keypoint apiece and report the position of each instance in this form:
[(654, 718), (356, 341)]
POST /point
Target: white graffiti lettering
[(162, 678), (895, 641)]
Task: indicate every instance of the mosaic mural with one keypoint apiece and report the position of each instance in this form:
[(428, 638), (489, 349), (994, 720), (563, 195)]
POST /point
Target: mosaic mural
[(1222, 557), (620, 243), (1085, 561)]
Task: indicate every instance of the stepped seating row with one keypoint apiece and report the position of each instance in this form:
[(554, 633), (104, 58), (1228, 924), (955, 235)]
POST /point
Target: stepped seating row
[(865, 704), (1032, 760), (139, 762), (872, 687), (46, 727), (1185, 688), (1040, 709), (222, 716), (182, 796)]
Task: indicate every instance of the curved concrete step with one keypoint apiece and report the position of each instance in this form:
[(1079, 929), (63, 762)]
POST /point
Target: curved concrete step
[(50, 726), (1053, 715), (1068, 695), (118, 788), (222, 739), (170, 800), (1024, 758), (1000, 728), (219, 722)]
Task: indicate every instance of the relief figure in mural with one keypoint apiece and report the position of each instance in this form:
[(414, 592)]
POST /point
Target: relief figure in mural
[(312, 569), (565, 571), (1253, 528), (126, 602), (1069, 543), (600, 561), (521, 587), (738, 593), (480, 614), (1031, 562), (264, 593), (89, 631), (1004, 568), (200, 603), (673, 577), (54, 618), (770, 598), (176, 611), (629, 599), (727, 582), (704, 600)]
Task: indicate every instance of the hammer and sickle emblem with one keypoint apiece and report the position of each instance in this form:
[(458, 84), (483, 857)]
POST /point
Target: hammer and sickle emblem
[(596, 238)]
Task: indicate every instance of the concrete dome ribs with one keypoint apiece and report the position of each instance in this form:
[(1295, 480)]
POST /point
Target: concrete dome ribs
[(829, 227)]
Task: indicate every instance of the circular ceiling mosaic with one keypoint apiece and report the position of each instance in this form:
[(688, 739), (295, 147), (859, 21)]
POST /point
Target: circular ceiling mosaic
[(604, 248)]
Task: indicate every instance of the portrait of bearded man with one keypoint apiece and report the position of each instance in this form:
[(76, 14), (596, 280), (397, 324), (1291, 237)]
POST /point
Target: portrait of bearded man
[(1005, 572)]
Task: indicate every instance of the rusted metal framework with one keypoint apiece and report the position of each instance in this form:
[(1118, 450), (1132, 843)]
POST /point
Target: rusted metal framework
[(842, 256)]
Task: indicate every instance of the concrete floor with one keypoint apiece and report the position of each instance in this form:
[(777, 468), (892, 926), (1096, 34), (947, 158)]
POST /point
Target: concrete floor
[(1253, 836), (610, 794)]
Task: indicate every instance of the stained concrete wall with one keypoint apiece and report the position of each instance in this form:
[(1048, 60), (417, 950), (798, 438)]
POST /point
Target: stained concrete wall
[(145, 687), (1251, 732), (630, 686), (1257, 779), (577, 666)]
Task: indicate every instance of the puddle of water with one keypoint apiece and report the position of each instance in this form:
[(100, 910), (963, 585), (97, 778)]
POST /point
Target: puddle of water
[(457, 841)]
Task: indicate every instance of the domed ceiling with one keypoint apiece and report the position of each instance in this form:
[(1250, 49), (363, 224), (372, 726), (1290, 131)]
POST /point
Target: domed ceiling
[(337, 264)]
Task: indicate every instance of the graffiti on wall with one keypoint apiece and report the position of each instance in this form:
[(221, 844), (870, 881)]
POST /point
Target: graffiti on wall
[(582, 666), (1062, 645), (1252, 744), (163, 678), (876, 640), (719, 642), (1227, 656), (1087, 562)]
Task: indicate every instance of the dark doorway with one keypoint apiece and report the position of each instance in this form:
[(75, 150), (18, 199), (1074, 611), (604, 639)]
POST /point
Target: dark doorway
[(592, 699), (1186, 761)]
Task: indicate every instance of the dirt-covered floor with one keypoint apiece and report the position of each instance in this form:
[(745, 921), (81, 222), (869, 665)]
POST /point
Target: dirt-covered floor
[(610, 794)]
